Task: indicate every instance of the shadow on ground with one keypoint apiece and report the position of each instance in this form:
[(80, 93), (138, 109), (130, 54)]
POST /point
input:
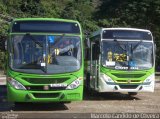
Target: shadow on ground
[(6, 106), (92, 95), (39, 107)]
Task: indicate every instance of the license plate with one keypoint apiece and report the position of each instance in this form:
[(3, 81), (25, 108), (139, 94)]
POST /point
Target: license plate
[(58, 85)]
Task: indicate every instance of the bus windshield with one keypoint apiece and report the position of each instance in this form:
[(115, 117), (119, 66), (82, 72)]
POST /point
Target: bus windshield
[(127, 55), (49, 54)]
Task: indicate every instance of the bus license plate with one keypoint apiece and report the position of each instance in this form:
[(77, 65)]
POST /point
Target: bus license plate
[(58, 85)]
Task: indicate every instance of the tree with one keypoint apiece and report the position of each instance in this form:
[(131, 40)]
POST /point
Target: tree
[(92, 14), (83, 12), (143, 14)]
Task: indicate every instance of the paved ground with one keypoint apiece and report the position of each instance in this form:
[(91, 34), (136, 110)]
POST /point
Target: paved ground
[(96, 103)]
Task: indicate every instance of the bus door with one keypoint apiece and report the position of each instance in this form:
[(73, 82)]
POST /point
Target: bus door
[(94, 67)]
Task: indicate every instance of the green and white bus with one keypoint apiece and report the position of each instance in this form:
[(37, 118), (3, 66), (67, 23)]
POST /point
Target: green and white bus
[(44, 62), (120, 60)]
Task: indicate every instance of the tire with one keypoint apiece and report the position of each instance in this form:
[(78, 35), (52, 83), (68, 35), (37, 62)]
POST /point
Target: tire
[(132, 93)]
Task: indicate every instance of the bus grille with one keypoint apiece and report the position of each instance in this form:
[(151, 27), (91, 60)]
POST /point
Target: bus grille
[(42, 88), (128, 75), (128, 78), (46, 95), (128, 86), (130, 81), (45, 80)]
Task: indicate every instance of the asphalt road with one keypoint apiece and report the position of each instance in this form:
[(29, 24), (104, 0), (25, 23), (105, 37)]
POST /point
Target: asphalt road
[(92, 103)]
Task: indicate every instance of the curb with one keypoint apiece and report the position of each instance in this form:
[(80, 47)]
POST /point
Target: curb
[(2, 80)]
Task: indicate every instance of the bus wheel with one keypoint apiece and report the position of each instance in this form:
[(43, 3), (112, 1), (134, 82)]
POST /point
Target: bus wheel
[(132, 93)]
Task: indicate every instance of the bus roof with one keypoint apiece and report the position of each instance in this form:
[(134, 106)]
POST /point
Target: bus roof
[(33, 25), (102, 29), (47, 19), (134, 29)]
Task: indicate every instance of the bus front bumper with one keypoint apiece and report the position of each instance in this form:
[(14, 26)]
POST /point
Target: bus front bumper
[(114, 87), (15, 95)]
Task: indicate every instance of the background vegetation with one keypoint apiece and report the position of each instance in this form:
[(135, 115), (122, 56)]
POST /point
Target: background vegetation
[(92, 14)]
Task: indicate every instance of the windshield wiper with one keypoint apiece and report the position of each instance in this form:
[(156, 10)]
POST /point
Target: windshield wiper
[(33, 39), (58, 39), (132, 49), (119, 44), (137, 45), (43, 68)]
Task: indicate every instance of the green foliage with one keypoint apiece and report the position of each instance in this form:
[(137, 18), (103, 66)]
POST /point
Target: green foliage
[(92, 14), (132, 13)]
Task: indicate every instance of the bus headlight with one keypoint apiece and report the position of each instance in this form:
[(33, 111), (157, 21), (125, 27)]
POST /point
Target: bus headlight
[(16, 84), (76, 83), (149, 78), (106, 78)]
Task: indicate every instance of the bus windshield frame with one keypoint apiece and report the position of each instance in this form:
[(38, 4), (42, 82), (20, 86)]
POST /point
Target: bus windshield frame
[(56, 54)]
